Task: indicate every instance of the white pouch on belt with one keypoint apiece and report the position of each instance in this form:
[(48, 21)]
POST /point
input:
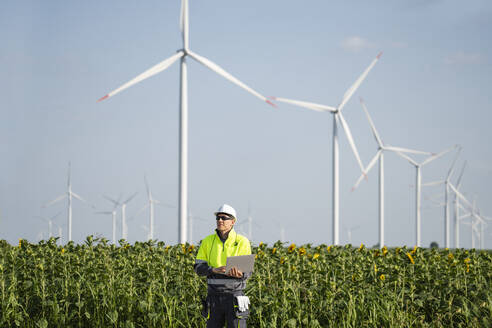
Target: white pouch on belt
[(242, 303)]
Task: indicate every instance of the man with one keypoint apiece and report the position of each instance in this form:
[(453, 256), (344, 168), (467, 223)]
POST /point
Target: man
[(225, 289)]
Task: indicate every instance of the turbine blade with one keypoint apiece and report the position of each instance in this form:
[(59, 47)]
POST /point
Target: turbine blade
[(69, 174), (348, 94), (406, 157), (219, 70), (368, 168), (147, 187), (158, 202), (463, 198), (57, 199), (458, 183), (130, 198), (141, 210), (56, 215), (451, 169), (183, 22), (116, 203), (434, 157), (433, 183), (371, 123), (305, 104), (350, 140), (78, 197), (406, 150), (103, 212), (148, 73)]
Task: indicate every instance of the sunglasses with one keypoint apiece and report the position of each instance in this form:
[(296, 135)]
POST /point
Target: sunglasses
[(223, 218)]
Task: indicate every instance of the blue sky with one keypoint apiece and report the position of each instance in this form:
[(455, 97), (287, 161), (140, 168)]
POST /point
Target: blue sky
[(430, 90)]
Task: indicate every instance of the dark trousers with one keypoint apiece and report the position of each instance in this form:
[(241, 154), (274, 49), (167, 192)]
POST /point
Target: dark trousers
[(222, 310)]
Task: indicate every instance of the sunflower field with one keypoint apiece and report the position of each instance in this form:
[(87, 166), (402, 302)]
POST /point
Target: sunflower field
[(151, 284)]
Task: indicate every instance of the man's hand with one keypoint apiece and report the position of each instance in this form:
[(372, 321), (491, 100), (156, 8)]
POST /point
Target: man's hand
[(235, 272), (219, 270)]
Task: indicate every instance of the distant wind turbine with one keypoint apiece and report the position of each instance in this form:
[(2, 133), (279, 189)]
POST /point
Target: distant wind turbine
[(349, 233), (69, 194), (192, 218), (337, 119), (418, 186), (113, 217), (456, 210), (50, 223), (182, 54), (474, 213), (124, 228), (380, 155), (445, 182), (150, 205)]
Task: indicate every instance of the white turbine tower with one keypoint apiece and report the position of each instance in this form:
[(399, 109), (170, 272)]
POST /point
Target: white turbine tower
[(456, 210), (49, 220), (445, 182), (69, 194), (192, 218), (151, 202), (349, 233), (337, 119), (469, 206), (475, 221), (182, 54), (380, 156), (124, 228), (113, 217), (474, 213), (418, 186)]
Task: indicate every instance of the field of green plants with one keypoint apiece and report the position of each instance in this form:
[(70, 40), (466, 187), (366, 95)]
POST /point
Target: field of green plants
[(153, 285)]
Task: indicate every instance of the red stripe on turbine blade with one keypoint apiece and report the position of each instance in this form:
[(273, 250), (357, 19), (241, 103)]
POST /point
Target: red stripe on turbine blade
[(272, 97), (101, 99), (379, 55), (270, 103)]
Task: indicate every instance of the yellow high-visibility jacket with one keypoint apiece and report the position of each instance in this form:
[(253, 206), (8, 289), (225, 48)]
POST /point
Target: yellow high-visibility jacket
[(213, 253)]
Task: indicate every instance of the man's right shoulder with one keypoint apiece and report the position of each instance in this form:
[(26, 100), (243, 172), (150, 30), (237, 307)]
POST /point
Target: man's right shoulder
[(209, 238)]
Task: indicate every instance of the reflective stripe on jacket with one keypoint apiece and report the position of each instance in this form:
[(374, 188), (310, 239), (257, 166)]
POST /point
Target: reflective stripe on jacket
[(213, 253)]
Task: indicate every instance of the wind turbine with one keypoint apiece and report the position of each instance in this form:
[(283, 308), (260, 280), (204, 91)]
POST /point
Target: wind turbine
[(456, 210), (69, 194), (124, 228), (380, 155), (418, 186), (474, 213), (249, 222), (349, 233), (282, 234), (113, 217), (337, 117), (474, 222), (150, 205), (192, 218), (457, 207), (182, 54), (470, 207), (50, 223), (446, 182)]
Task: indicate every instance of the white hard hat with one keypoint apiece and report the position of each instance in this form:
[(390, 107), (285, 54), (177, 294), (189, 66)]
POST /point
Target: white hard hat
[(227, 209)]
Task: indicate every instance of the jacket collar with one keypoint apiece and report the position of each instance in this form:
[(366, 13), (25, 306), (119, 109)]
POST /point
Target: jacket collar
[(231, 238)]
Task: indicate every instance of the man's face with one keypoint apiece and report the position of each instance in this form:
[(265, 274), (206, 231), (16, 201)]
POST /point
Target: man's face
[(225, 225)]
